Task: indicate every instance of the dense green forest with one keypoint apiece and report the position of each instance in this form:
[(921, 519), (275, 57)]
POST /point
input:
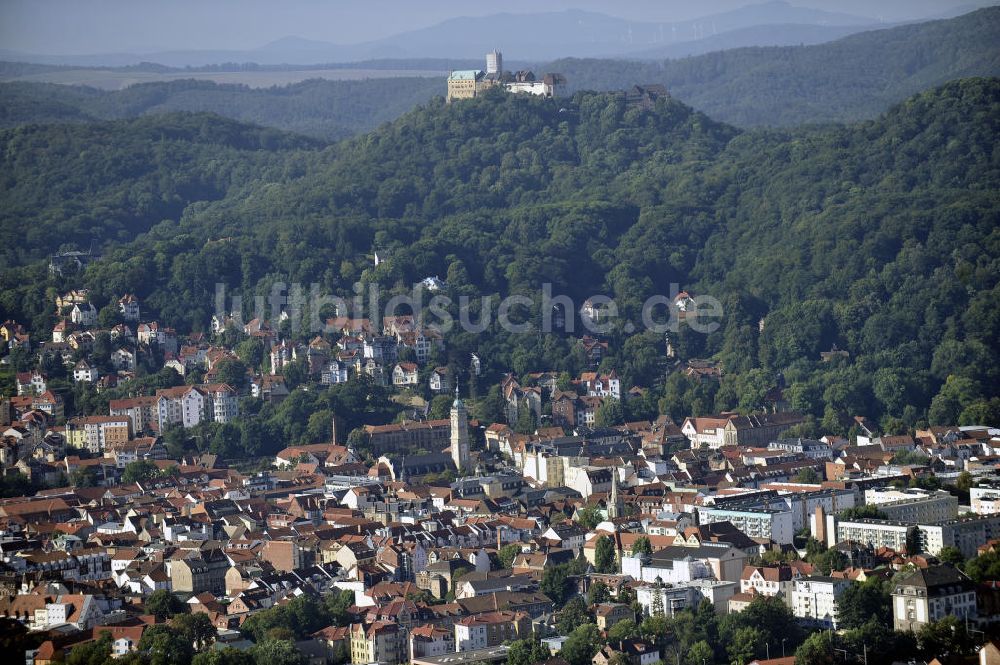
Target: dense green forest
[(881, 237), (81, 184), (329, 110)]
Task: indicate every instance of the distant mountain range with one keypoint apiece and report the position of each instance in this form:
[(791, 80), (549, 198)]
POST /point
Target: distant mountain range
[(853, 78), (542, 36)]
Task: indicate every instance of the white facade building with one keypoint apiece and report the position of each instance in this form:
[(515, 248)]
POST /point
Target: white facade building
[(814, 599)]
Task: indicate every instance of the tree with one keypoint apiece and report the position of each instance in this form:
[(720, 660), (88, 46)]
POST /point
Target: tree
[(605, 558), (609, 413), (985, 567), (860, 602), (277, 652), (581, 645), (527, 420), (97, 652), (231, 371), (573, 614), (508, 553), (656, 628), (598, 593), (909, 457), (818, 649), (196, 629), (626, 629), (556, 584), (747, 643), (162, 604), (165, 646), (527, 652), (912, 541), (945, 639), (951, 554), (807, 475), (964, 482), (866, 511), (139, 470), (700, 653), (227, 656), (440, 408), (642, 546), (490, 409), (588, 517), (83, 477), (829, 560)]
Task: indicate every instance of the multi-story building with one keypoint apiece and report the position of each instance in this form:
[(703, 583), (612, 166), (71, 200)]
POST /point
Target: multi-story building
[(930, 594), (965, 533), (755, 521), (186, 406), (803, 502), (405, 374), (814, 599), (913, 505), (141, 411), (428, 435), (877, 533), (809, 448), (182, 406), (97, 433), (488, 630), (430, 640), (985, 499), (221, 402), (194, 573), (379, 642), (769, 581)]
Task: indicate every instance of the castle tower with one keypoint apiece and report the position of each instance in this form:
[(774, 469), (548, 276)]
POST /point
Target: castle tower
[(615, 506), (494, 62), (459, 434)]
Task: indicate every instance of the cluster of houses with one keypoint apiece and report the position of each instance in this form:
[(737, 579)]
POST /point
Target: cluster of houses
[(418, 537)]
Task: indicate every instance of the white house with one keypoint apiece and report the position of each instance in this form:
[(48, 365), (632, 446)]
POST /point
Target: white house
[(128, 305), (183, 405), (82, 371), (333, 372), (83, 314), (405, 374), (814, 599), (440, 380)]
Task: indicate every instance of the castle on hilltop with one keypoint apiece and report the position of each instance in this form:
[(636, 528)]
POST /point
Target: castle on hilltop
[(468, 83)]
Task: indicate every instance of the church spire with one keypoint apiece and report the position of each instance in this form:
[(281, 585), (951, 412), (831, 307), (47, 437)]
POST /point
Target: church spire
[(459, 434), (615, 507)]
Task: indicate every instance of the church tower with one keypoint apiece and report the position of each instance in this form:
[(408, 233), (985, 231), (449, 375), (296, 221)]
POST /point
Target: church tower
[(615, 506), (459, 434)]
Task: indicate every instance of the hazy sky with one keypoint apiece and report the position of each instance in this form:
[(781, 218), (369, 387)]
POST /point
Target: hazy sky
[(108, 26)]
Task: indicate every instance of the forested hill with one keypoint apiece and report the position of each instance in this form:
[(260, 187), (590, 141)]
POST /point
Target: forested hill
[(851, 79), (854, 78), (881, 237), (84, 185), (329, 110)]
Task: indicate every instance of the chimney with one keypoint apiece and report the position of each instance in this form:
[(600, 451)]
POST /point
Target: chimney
[(333, 429), (819, 525)]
